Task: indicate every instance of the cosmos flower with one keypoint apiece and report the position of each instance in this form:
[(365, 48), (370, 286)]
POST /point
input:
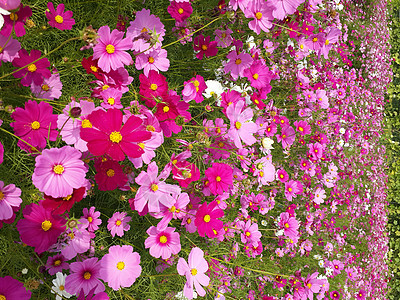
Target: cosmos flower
[(58, 18), (163, 243)]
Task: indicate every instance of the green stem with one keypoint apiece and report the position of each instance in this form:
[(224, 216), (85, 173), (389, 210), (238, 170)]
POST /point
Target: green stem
[(32, 147)]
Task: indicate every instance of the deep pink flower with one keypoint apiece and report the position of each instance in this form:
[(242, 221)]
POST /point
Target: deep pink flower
[(282, 175), (152, 86), (289, 225), (40, 228), (118, 223), (219, 177), (58, 18), (33, 71), (194, 272), (207, 219), (259, 75), (185, 172), (11, 288), (238, 62), (174, 211), (10, 199), (250, 233), (59, 205), (93, 218), (205, 47), (9, 48), (108, 136), (56, 264), (163, 243), (287, 136), (16, 20), (335, 295), (58, 171), (84, 275), (193, 89), (92, 296), (34, 123), (292, 189), (120, 267), (261, 11), (180, 11), (303, 127), (111, 48)]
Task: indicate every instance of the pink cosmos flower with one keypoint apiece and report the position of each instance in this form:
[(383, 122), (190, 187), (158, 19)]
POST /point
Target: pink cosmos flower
[(72, 120), (287, 136), (194, 272), (111, 98), (292, 189), (319, 196), (207, 219), (180, 11), (11, 288), (223, 38), (152, 86), (16, 20), (175, 211), (264, 170), (185, 172), (10, 48), (303, 127), (56, 264), (49, 89), (9, 4), (153, 191), (58, 18), (282, 175), (289, 225), (242, 128), (331, 38), (107, 135), (93, 218), (9, 200), (111, 48), (35, 123), (84, 275), (261, 11), (322, 99), (40, 228), (34, 72), (258, 74), (154, 59), (78, 241), (120, 267), (118, 223), (193, 89), (250, 234), (163, 243), (204, 46), (238, 62), (281, 8), (58, 171), (220, 178)]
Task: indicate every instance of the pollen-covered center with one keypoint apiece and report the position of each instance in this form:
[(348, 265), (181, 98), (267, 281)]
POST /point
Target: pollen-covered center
[(35, 125), (180, 11), (218, 178), (207, 218), (258, 15), (90, 219), (58, 169), (111, 101), (13, 17), (118, 223), (110, 49), (59, 19), (153, 86), (57, 263), (2, 297), (154, 187), (151, 60), (163, 239), (204, 47), (287, 225), (87, 275), (165, 109), (193, 271), (32, 68), (115, 137), (46, 225), (120, 265), (93, 68), (86, 124), (67, 198), (110, 172), (238, 61), (255, 76), (238, 125)]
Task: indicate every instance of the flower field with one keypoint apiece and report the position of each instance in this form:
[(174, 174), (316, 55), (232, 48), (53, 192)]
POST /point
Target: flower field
[(184, 149)]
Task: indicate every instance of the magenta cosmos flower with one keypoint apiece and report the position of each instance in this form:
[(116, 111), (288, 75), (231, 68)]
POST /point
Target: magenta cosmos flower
[(179, 10), (204, 46), (219, 177), (35, 123), (207, 219), (40, 228), (84, 275), (120, 267), (110, 49), (163, 243), (107, 135), (11, 288), (194, 272), (9, 199), (58, 18), (92, 217), (58, 171), (16, 20), (289, 225), (32, 71)]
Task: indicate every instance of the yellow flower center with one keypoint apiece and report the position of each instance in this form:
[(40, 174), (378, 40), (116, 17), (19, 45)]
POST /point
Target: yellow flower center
[(153, 86), (196, 83), (172, 209), (111, 101), (46, 225), (163, 239), (87, 275), (120, 265), (238, 125), (110, 172), (221, 144), (118, 223), (141, 145), (258, 15), (13, 17), (115, 137), (287, 225), (154, 187), (57, 263), (90, 219), (248, 233), (315, 40), (1, 195), (93, 68), (58, 169), (150, 128), (255, 76), (71, 235), (106, 86), (61, 287), (301, 129), (327, 42), (1, 49), (144, 29), (207, 218), (67, 198), (204, 47), (218, 178), (86, 124), (165, 109), (35, 125), (45, 87), (59, 19), (189, 221), (110, 49), (32, 68), (261, 174), (290, 189), (238, 61), (180, 11), (151, 60)]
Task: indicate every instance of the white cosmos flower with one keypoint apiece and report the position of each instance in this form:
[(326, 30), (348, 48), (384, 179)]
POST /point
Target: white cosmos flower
[(58, 287), (5, 13)]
